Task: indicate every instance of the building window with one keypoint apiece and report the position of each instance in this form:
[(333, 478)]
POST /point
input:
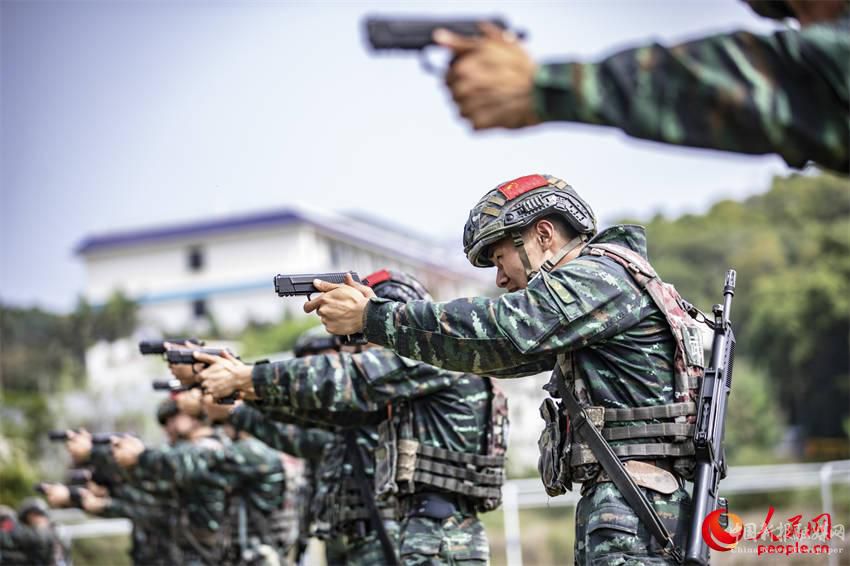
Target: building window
[(199, 308), (196, 259)]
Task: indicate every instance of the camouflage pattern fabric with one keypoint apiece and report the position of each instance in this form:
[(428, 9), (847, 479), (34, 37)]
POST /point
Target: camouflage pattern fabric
[(205, 474), (450, 409), (201, 490), (150, 506), (331, 465), (152, 536), (787, 93), (456, 541), (24, 545), (608, 532), (367, 551), (301, 442)]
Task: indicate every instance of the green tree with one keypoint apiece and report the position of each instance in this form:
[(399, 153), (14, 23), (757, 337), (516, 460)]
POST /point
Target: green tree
[(791, 248)]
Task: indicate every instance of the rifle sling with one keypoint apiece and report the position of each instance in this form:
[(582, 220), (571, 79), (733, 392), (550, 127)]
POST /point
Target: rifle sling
[(368, 494), (615, 470)]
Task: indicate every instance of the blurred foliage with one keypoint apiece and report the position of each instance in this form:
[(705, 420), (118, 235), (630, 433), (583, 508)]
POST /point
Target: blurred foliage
[(264, 338), (791, 248), (754, 422), (43, 353), (16, 472)]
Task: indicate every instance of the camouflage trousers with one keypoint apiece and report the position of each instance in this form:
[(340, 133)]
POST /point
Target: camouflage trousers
[(365, 551), (609, 533), (459, 540)]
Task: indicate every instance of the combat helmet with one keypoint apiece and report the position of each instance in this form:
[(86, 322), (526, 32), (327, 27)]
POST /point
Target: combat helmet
[(313, 341), (514, 205), (397, 286), (774, 9), (165, 410), (32, 505), (8, 518)]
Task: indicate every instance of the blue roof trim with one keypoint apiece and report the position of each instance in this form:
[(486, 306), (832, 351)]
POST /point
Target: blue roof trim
[(204, 292), (97, 243)]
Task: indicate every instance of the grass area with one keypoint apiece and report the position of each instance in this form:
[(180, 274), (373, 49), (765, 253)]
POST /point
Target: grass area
[(102, 551)]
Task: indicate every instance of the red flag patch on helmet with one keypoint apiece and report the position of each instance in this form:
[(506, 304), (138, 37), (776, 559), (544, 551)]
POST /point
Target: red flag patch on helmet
[(377, 277), (521, 185)]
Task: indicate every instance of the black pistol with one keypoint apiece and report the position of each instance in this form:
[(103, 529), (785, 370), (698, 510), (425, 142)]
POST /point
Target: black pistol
[(150, 347), (415, 34)]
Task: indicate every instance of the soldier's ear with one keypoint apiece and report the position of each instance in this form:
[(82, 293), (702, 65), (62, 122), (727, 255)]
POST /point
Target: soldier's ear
[(544, 233)]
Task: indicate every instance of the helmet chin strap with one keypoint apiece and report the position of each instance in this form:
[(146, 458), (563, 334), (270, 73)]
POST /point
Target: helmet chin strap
[(520, 248), (550, 263)]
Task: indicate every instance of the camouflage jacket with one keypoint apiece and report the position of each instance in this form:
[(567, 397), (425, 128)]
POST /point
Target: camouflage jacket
[(302, 442), (205, 473), (787, 93), (23, 544), (450, 410), (621, 343)]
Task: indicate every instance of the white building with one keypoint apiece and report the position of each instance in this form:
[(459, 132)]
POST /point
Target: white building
[(180, 274)]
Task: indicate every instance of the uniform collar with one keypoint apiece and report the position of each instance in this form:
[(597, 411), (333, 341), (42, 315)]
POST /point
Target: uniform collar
[(631, 236)]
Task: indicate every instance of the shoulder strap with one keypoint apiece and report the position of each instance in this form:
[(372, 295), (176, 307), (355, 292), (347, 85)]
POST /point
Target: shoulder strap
[(615, 470), (368, 495)]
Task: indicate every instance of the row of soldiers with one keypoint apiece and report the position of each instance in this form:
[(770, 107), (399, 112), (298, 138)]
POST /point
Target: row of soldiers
[(386, 459)]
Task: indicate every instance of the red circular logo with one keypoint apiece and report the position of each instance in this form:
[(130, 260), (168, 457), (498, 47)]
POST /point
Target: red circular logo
[(718, 538)]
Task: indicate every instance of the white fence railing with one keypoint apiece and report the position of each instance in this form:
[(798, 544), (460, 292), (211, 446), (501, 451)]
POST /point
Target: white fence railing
[(529, 493)]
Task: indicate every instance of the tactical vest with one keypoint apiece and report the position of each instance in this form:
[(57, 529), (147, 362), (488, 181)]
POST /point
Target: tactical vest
[(565, 459), (404, 466), (337, 501)]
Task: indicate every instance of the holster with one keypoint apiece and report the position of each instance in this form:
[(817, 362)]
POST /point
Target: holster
[(386, 460)]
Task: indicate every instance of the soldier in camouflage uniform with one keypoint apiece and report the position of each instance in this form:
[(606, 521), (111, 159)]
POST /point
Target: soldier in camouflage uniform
[(309, 444), (276, 428), (210, 476), (150, 504), (434, 438), (787, 93), (585, 304), (28, 538), (341, 515)]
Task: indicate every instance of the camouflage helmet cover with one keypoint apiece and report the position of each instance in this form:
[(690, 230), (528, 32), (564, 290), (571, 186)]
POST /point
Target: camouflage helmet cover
[(397, 286), (513, 205), (313, 341)]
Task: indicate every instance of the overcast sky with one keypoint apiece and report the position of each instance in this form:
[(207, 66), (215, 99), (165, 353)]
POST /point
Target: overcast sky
[(128, 114)]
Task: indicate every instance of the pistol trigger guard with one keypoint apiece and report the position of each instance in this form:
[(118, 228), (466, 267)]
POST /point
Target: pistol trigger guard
[(428, 66)]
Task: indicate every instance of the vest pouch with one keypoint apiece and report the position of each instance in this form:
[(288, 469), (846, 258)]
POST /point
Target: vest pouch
[(406, 460), (386, 460), (554, 447)]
